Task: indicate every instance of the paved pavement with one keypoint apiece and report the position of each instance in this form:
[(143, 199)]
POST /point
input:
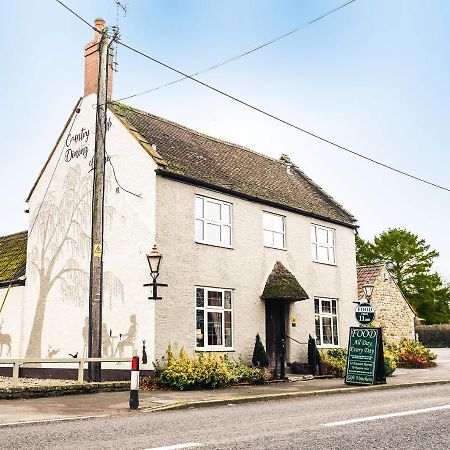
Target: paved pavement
[(116, 403), (413, 418)]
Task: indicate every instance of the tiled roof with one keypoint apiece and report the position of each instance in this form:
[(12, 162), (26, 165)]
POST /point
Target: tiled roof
[(13, 256), (186, 153), (367, 274), (282, 285)]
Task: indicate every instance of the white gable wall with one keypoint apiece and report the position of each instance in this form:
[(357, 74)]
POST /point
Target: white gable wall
[(59, 246)]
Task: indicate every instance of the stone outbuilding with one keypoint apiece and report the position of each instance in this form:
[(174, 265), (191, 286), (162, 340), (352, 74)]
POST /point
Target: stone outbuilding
[(393, 312)]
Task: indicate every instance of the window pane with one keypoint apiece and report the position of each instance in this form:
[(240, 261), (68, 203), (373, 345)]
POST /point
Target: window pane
[(330, 237), (314, 252), (199, 236), (313, 234), (333, 306), (331, 255), (228, 330), (326, 306), (268, 238), (226, 213), (214, 298), (213, 211), (214, 328), (322, 236), (317, 322), (198, 208), (326, 330), (227, 300), (278, 240), (335, 332), (267, 221), (213, 233), (200, 337), (316, 305), (322, 254), (226, 235), (200, 297), (278, 223)]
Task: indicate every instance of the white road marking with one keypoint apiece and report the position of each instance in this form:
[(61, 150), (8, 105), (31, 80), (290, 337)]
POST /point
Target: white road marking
[(384, 416), (60, 419), (176, 446)]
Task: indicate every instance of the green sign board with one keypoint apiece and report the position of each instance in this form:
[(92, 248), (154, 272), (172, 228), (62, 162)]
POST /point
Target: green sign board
[(365, 361)]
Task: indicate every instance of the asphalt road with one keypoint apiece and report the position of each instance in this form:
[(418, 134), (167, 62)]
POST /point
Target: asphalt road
[(406, 418)]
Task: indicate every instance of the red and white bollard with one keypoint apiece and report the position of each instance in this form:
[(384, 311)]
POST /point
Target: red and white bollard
[(134, 385)]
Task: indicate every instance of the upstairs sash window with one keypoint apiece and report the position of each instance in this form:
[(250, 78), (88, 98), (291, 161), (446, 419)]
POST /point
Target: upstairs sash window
[(273, 228), (212, 221), (323, 244)]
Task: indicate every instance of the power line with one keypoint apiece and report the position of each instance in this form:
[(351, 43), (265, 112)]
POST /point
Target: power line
[(285, 122), (241, 55), (273, 116), (75, 14)]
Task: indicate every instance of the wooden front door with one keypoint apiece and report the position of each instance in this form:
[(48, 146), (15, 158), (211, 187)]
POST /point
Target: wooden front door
[(275, 336)]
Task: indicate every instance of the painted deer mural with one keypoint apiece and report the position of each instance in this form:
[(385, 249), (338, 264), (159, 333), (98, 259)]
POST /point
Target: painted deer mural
[(5, 339)]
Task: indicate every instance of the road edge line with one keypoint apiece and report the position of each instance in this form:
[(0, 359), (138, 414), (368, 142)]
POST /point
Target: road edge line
[(286, 395)]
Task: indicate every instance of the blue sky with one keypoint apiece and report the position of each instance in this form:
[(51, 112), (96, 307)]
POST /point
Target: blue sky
[(373, 77)]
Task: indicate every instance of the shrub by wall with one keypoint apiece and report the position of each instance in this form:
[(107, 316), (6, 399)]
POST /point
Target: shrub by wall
[(335, 361), (434, 335), (206, 370)]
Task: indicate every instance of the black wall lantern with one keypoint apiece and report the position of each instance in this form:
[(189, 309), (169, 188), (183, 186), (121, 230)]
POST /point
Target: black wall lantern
[(154, 261)]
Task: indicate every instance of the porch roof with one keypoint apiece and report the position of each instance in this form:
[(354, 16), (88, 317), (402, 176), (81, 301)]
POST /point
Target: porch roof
[(282, 285)]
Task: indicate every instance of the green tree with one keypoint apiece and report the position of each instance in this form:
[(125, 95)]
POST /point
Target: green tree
[(365, 255), (409, 260)]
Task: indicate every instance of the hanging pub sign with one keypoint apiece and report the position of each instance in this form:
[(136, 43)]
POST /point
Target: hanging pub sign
[(365, 358), (365, 313)]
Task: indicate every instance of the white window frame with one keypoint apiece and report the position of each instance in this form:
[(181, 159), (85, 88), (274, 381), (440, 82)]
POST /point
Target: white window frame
[(334, 318), (315, 245), (221, 309), (205, 221), (283, 233)]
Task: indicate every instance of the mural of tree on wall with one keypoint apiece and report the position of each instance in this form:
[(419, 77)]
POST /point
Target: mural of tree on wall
[(62, 243)]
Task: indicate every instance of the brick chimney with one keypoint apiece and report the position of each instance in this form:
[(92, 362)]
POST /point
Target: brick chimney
[(91, 57)]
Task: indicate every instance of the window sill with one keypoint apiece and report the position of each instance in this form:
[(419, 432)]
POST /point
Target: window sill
[(325, 346), (211, 244), (276, 248), (324, 263), (215, 349)]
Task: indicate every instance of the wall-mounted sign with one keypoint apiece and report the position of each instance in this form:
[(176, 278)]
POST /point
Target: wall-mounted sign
[(365, 359), (365, 313), (294, 321), (97, 250)]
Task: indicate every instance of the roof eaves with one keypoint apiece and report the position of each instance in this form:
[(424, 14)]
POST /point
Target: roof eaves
[(324, 194), (196, 182), (159, 160)]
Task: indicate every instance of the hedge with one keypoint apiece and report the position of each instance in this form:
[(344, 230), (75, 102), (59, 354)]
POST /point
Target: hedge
[(434, 335)]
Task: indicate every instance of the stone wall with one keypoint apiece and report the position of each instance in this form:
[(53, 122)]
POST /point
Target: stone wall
[(393, 313)]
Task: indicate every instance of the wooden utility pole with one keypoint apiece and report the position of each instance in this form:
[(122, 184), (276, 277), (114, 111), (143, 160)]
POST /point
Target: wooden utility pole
[(96, 269)]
